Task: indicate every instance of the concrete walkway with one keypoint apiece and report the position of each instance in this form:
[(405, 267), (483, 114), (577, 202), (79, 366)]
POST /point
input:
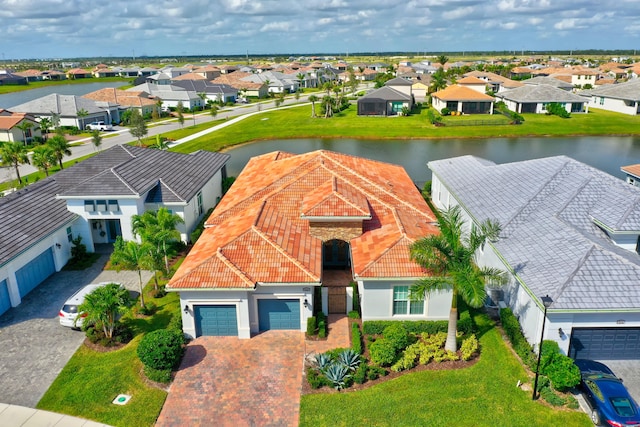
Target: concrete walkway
[(19, 416)]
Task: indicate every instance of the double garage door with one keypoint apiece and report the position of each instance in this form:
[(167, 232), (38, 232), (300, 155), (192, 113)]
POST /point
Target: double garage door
[(605, 343), (222, 320)]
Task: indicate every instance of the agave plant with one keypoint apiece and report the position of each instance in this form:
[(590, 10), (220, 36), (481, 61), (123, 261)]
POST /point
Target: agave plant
[(323, 361), (350, 359), (337, 373)]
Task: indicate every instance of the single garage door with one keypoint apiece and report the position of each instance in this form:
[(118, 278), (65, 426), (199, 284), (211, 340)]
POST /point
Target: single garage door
[(279, 314), (605, 343), (216, 320), (5, 302), (34, 273)]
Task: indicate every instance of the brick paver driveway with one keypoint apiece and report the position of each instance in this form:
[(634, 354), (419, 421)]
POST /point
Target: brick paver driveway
[(225, 381)]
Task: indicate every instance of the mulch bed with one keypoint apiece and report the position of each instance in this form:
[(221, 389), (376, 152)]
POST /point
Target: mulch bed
[(99, 348)]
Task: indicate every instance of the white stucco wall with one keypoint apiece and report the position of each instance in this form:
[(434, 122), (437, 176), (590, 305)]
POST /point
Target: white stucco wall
[(616, 105)]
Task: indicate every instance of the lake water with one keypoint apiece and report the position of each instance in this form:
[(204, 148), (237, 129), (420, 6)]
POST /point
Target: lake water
[(605, 153), (9, 100)]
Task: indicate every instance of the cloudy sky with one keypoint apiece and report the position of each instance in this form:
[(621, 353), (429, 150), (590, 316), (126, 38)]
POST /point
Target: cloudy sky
[(80, 28)]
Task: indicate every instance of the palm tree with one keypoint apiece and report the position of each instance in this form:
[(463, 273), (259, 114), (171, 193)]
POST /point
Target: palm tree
[(158, 107), (44, 158), (450, 256), (158, 229), (300, 77), (24, 126), (442, 59), (131, 256), (55, 120), (161, 143), (14, 153), (96, 138), (313, 99), (82, 113), (438, 81), (45, 125), (60, 148), (203, 97), (102, 306)]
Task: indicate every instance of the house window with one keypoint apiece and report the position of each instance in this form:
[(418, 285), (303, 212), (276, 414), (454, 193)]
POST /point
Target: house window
[(113, 206), (89, 206), (402, 304), (101, 205), (69, 235), (200, 207), (601, 100)]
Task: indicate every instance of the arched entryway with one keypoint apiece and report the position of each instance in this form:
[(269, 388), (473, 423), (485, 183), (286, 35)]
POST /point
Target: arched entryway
[(336, 274)]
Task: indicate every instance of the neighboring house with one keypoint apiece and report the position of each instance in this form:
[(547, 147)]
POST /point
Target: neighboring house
[(96, 199), (462, 99), (31, 75), (53, 75), (67, 107), (474, 83), (420, 90), (549, 81), (245, 87), (293, 223), (100, 72), (385, 101), (569, 231), (215, 91), (171, 95), (621, 98), (209, 71), (158, 79), (494, 82), (124, 99), (535, 98), (7, 78), (79, 73), (633, 174), (10, 130)]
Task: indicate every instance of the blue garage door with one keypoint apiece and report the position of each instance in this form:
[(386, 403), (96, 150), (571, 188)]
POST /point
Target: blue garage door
[(5, 302), (216, 320), (605, 343), (279, 314), (32, 274)]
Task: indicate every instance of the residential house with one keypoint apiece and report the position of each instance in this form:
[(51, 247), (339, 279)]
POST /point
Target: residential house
[(293, 223), (124, 99), (244, 86), (171, 95), (621, 98), (10, 130), (462, 99), (385, 101), (215, 92), (95, 199), (8, 78), (420, 89), (209, 71), (79, 73), (549, 81), (53, 75), (31, 75), (474, 83), (158, 79), (67, 107), (535, 98), (570, 232)]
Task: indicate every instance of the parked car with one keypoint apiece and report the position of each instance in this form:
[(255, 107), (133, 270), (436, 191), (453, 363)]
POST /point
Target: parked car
[(608, 398), (69, 311), (99, 126)]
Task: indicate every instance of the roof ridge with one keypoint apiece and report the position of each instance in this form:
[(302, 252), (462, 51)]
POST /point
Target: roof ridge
[(278, 248), (570, 277), (161, 181), (117, 175), (374, 261), (226, 261)]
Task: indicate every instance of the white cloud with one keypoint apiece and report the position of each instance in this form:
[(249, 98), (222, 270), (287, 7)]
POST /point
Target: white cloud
[(458, 13)]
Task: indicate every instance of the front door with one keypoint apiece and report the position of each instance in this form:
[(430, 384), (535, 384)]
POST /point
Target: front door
[(336, 254), (113, 229)]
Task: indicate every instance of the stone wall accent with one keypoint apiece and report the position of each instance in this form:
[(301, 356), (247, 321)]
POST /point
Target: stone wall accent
[(326, 231)]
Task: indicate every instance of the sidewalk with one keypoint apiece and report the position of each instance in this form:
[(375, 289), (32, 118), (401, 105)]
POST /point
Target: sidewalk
[(19, 416)]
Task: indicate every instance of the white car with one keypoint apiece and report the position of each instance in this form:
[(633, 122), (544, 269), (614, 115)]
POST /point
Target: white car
[(99, 126), (69, 311)]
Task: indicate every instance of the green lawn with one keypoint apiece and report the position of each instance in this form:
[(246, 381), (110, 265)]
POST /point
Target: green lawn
[(482, 395), (91, 380), (297, 123)]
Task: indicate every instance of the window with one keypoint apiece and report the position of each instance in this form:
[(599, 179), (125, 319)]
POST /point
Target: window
[(89, 206), (601, 100), (113, 206), (69, 235), (401, 303), (101, 205), (200, 207)]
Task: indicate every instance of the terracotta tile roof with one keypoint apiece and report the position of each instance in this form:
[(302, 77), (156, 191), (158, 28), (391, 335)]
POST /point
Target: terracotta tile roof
[(191, 76), (78, 71), (235, 80), (632, 170), (471, 80), (259, 233), (8, 122), (124, 98), (461, 93)]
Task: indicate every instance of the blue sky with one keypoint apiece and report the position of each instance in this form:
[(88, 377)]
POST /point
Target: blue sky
[(80, 28)]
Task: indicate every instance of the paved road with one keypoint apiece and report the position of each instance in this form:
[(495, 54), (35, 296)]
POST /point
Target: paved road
[(34, 346)]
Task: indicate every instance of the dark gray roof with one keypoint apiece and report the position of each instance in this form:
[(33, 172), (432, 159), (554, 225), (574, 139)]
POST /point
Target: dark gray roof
[(141, 169), (628, 91), (539, 93), (205, 86), (547, 209), (385, 93), (551, 81), (64, 105), (398, 81)]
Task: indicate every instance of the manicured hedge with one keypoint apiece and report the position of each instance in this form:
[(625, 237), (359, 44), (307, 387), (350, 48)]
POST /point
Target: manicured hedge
[(356, 338), (519, 343), (377, 327)]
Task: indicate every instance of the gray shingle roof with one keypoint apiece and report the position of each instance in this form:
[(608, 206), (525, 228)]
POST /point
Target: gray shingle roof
[(629, 90), (546, 208), (64, 105), (551, 81), (387, 94), (540, 93)]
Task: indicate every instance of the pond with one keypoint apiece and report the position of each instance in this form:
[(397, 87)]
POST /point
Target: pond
[(607, 153), (9, 100)]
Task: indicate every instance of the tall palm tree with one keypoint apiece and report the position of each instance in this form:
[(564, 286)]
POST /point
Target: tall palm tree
[(300, 77), (15, 154), (25, 126), (131, 256), (103, 305), (158, 229), (203, 97), (60, 147), (43, 158), (442, 59), (450, 257), (81, 113), (45, 125), (313, 99)]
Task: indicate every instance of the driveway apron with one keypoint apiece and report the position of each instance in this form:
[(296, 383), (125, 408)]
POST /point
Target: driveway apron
[(225, 381), (35, 347)]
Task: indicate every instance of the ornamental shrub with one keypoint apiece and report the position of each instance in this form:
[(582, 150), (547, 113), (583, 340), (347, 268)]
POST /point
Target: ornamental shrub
[(322, 329), (469, 347), (311, 326), (550, 397), (445, 111), (356, 338), (161, 349), (377, 327), (557, 109), (397, 335), (519, 343), (382, 352), (562, 372), (360, 375), (353, 314)]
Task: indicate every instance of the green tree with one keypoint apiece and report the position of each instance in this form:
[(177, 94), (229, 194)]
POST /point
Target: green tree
[(438, 80), (203, 98), (442, 59), (131, 256), (96, 139), (44, 158), (450, 257), (81, 113), (313, 99), (214, 110), (300, 77), (15, 154), (158, 228), (103, 306), (137, 125), (25, 126), (180, 111), (55, 120), (158, 107), (60, 147), (161, 143), (45, 125)]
